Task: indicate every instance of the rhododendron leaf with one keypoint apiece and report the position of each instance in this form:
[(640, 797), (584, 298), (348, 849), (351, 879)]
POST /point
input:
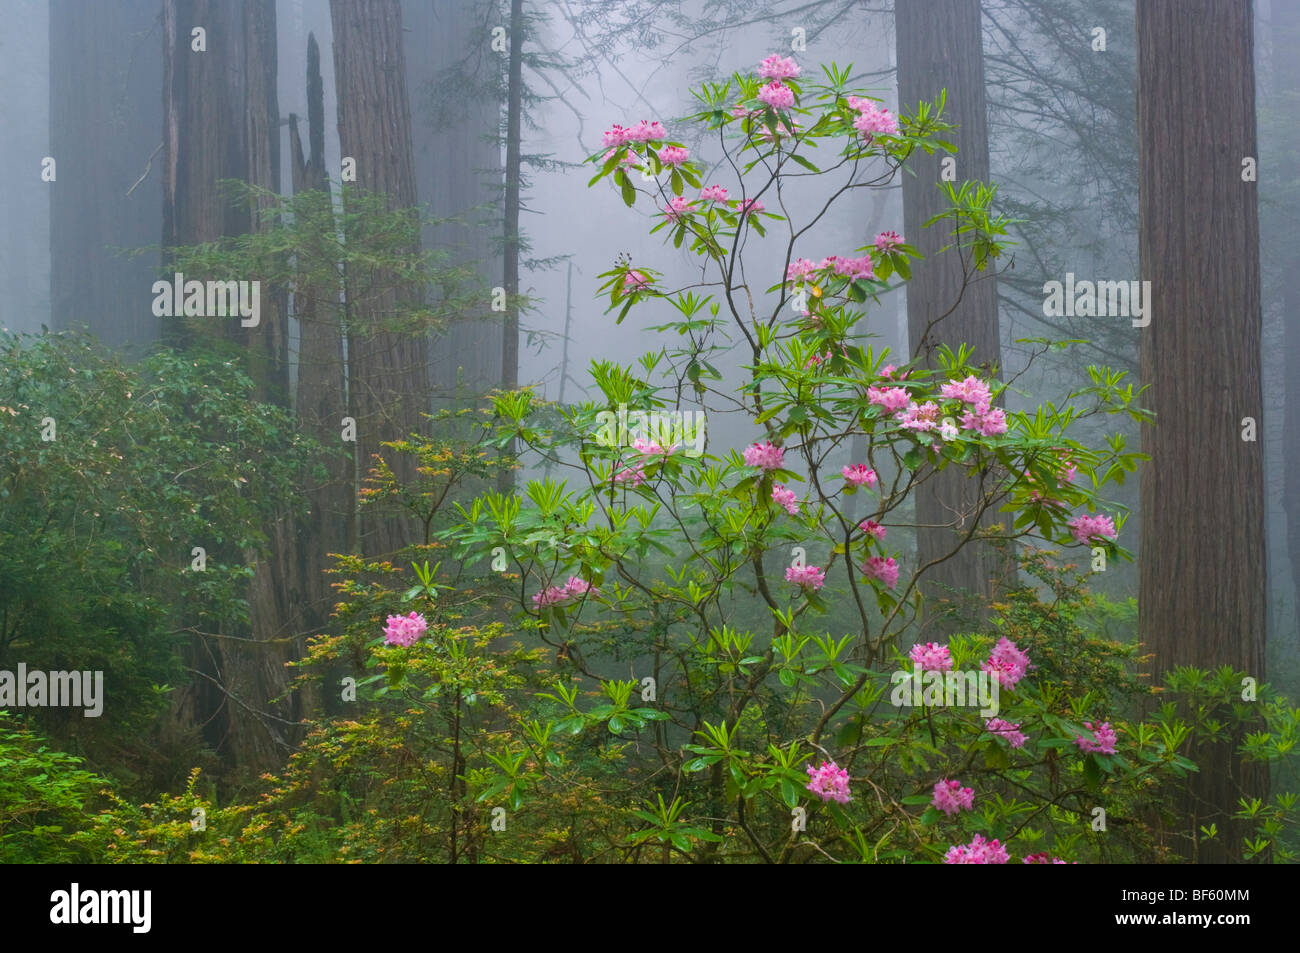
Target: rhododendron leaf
[(912, 459), (803, 162), (916, 799), (902, 267), (676, 182), (678, 236), (629, 192)]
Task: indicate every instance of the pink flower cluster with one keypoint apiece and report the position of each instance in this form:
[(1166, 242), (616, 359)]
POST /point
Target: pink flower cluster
[(777, 66), (643, 131), (852, 268), (634, 281), (777, 95), (950, 797), (931, 657), (884, 569), (678, 206), (919, 417), (673, 155), (1085, 528), (554, 595), (971, 391), (859, 475), (713, 193), (1044, 858), (978, 851), (890, 398), (809, 577), (1106, 737), (989, 421), (786, 498), (1006, 662), (634, 474), (873, 118), (766, 455), (888, 241), (872, 527), (750, 207), (405, 630), (829, 782), (1007, 731), (800, 269)]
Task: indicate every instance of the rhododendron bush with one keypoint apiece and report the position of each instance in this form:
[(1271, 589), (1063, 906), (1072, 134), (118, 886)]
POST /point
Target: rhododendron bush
[(716, 651)]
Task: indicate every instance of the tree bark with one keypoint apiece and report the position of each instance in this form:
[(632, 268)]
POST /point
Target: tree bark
[(940, 46), (221, 121), (1202, 566), (388, 372)]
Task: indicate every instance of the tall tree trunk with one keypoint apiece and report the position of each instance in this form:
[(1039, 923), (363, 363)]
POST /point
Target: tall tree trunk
[(221, 121), (321, 403), (1202, 566), (388, 371), (104, 137), (940, 47)]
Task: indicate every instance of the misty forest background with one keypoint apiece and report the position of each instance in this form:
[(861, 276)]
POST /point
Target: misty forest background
[(177, 433)]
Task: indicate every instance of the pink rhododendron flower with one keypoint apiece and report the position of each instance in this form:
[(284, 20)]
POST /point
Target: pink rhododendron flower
[(786, 498), (1044, 858), (872, 527), (886, 570), (634, 474), (713, 193), (673, 155), (646, 132), (550, 596), (750, 207), (777, 95), (919, 417), (931, 657), (635, 280), (1006, 662), (1085, 528), (1006, 731), (950, 797), (853, 268), (978, 851), (888, 241), (579, 587), (829, 782), (1070, 472), (678, 206), (614, 136), (799, 269), (740, 111), (890, 398), (972, 390), (859, 475), (765, 455), (778, 67), (948, 432), (874, 119), (989, 421), (650, 448), (1105, 743), (405, 630), (810, 577)]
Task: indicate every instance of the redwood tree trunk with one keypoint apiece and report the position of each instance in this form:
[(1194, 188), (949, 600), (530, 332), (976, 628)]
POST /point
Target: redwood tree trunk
[(388, 372), (940, 47), (1202, 566), (221, 121)]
